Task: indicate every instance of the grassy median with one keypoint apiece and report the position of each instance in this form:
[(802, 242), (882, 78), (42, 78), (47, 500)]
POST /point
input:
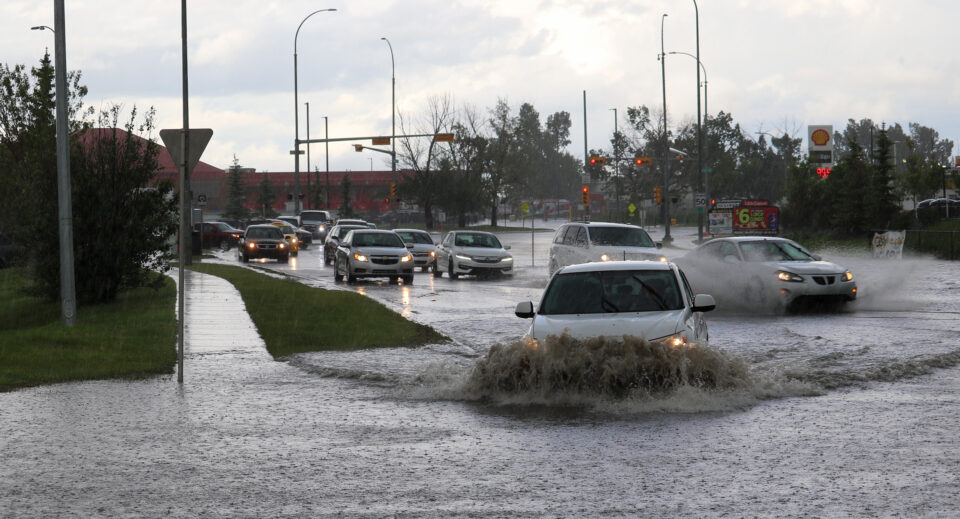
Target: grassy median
[(294, 318), (132, 337)]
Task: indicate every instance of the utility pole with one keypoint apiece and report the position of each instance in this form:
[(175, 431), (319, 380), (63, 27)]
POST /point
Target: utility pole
[(666, 140), (68, 291)]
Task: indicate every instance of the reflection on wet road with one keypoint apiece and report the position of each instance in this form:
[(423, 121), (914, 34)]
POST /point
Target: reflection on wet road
[(842, 414)]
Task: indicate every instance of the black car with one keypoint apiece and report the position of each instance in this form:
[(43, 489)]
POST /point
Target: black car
[(263, 241), (332, 241)]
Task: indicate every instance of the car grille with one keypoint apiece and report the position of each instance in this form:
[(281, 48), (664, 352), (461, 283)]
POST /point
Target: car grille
[(266, 246), (824, 280), (384, 260), (421, 254), (486, 259)]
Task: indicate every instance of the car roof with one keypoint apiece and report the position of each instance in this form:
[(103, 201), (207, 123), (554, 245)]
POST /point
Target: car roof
[(606, 224), (464, 231), (367, 230), (607, 266), (410, 230), (262, 226), (740, 239)]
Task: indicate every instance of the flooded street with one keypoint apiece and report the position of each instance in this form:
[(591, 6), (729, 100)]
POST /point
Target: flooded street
[(852, 413)]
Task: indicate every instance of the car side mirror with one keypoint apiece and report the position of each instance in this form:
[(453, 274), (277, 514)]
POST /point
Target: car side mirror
[(659, 244), (345, 245), (730, 258), (703, 303), (409, 246), (524, 310), (816, 257), (506, 247)]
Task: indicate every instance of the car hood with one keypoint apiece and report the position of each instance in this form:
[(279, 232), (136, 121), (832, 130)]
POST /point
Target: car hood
[(649, 325), (807, 267), (380, 251), (423, 247), (482, 252)]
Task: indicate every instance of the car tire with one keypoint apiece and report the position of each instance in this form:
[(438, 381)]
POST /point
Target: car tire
[(337, 276), (351, 279), (436, 270), (453, 274), (224, 245), (244, 258), (287, 259), (326, 257), (407, 280), (553, 267), (425, 268)]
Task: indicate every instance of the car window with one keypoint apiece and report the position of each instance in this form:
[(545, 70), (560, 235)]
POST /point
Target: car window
[(710, 251), (771, 250), (472, 239), (620, 236), (207, 227), (686, 287), (570, 237), (264, 233), (378, 239), (612, 291), (558, 237), (728, 249), (581, 240), (448, 240), (223, 227), (415, 237)]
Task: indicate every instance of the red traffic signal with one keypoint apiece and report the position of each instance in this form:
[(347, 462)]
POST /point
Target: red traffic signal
[(585, 195), (598, 161), (643, 161)]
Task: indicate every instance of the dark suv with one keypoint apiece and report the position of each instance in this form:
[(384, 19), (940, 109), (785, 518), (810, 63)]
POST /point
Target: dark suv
[(263, 241)]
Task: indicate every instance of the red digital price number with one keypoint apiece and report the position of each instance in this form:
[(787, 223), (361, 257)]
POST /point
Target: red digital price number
[(823, 172)]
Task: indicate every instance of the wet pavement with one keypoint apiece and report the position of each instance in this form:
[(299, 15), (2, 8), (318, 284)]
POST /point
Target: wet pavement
[(852, 414)]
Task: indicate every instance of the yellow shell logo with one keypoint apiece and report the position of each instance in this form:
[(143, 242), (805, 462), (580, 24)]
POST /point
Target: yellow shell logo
[(820, 137)]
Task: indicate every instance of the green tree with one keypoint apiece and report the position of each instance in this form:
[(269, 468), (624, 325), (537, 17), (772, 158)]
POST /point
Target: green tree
[(236, 192), (316, 190), (346, 209), (421, 157)]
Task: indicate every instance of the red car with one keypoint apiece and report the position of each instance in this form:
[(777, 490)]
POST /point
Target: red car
[(218, 234)]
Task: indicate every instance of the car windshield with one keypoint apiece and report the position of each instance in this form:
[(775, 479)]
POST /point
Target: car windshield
[(415, 237), (312, 217), (620, 236), (376, 239), (264, 233), (770, 250), (612, 291), (223, 227), (287, 229), (475, 239)]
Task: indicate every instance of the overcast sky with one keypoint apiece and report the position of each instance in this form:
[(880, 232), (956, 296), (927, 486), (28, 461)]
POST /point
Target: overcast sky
[(774, 64)]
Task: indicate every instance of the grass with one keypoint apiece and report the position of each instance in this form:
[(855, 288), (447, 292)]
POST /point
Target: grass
[(294, 318), (132, 337)]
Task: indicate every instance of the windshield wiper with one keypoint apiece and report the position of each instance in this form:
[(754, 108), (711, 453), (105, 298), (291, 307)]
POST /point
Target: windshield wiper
[(657, 296)]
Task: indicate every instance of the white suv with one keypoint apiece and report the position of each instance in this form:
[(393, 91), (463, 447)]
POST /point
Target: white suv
[(576, 243)]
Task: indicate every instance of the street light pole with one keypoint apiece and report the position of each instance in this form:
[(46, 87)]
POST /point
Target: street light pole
[(666, 141), (308, 150), (326, 154), (705, 177), (700, 210), (393, 126), (616, 164), (296, 117)]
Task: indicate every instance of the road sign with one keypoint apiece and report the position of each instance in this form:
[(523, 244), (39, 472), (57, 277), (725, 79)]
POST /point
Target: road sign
[(443, 137), (525, 208), (201, 199), (380, 141), (701, 200), (706, 170), (197, 139)]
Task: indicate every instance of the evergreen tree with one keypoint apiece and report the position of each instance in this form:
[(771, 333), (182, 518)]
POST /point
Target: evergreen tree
[(346, 210), (881, 204), (236, 194), (266, 197)]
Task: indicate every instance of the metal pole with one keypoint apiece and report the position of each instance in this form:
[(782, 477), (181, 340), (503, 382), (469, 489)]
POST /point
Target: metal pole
[(616, 165), (666, 141), (308, 146), (68, 290), (393, 128), (586, 158), (700, 210), (185, 196), (326, 145), (296, 117)]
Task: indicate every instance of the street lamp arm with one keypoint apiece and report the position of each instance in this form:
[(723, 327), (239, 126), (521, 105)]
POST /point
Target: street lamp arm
[(297, 34), (702, 67), (42, 27)]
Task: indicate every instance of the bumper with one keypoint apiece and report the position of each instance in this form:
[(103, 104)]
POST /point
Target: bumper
[(843, 291), (479, 269), (369, 269)]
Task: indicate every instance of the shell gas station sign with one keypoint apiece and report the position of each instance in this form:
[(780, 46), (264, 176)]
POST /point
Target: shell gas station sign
[(820, 146)]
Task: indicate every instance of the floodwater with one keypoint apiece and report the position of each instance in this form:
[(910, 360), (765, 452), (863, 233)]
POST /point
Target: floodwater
[(849, 413)]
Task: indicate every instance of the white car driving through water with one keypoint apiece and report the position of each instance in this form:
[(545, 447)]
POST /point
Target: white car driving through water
[(766, 273), (475, 253), (647, 299)]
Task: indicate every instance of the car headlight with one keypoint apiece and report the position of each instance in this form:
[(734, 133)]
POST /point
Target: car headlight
[(321, 228), (359, 257), (677, 340), (604, 257), (464, 258), (663, 259), (282, 245), (293, 240), (508, 258), (433, 253), (406, 258), (251, 245), (847, 276), (783, 275)]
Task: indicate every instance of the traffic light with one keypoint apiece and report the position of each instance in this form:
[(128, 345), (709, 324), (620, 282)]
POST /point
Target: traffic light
[(656, 195), (393, 189), (585, 192), (386, 200), (713, 203), (643, 161), (598, 161)]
